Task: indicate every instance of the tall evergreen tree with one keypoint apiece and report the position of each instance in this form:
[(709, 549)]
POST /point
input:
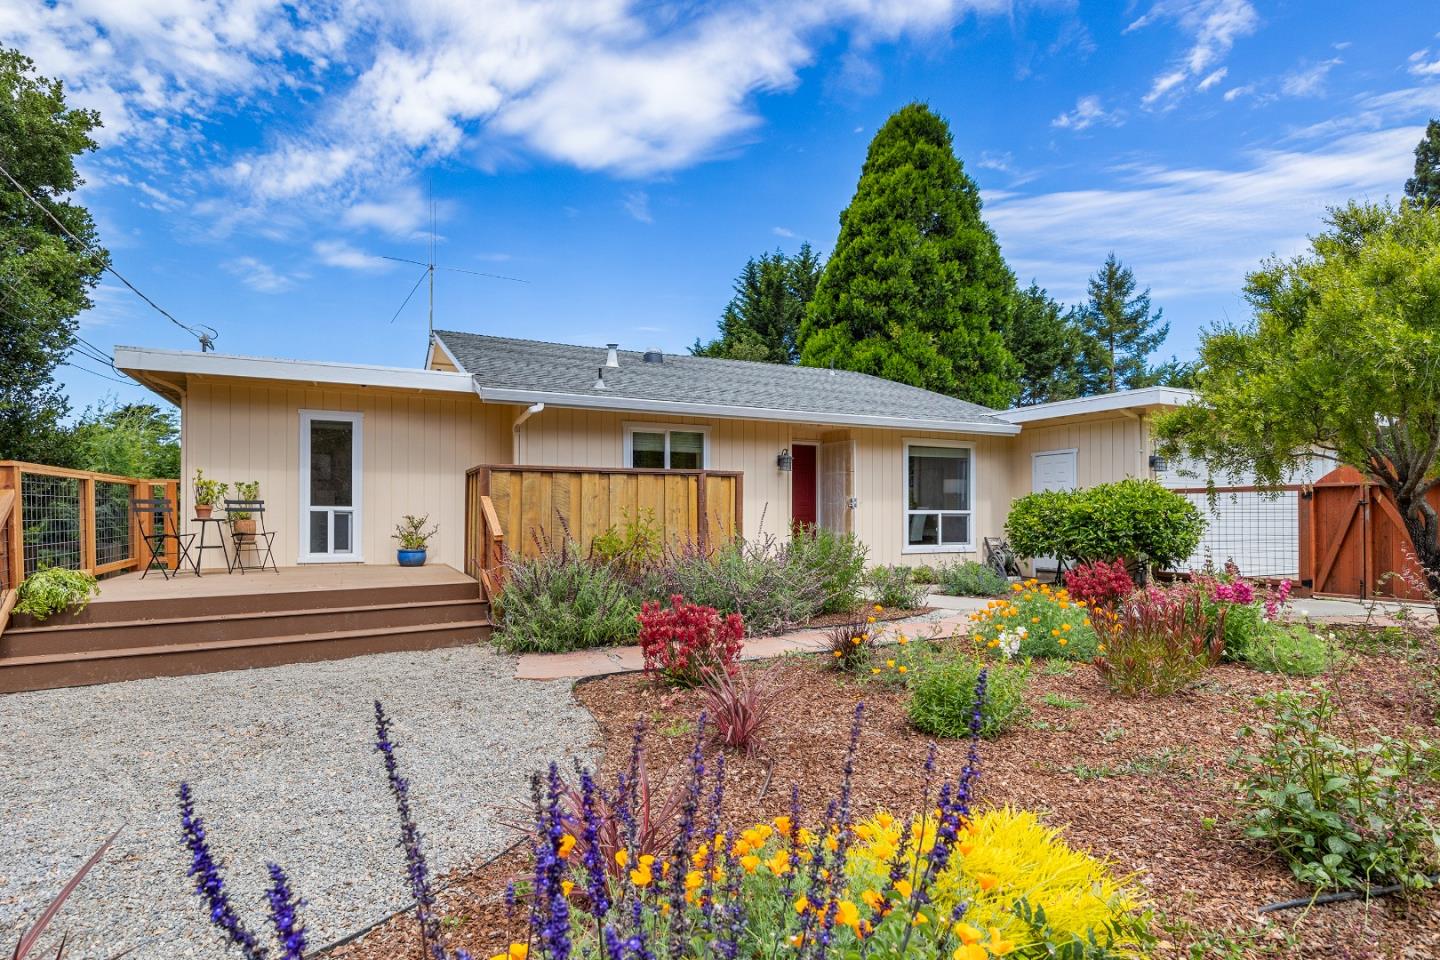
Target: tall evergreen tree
[(1424, 187), (916, 290), (1122, 324), (1058, 360), (762, 320), (45, 277)]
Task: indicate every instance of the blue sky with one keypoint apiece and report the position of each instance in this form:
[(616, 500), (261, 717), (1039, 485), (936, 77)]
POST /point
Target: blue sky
[(626, 158)]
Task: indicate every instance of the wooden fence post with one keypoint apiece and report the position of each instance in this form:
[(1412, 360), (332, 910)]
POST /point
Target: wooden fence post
[(86, 491), (172, 494), (15, 532)]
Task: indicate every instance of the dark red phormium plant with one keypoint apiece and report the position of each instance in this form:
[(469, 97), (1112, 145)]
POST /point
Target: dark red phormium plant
[(681, 643), (1156, 641), (740, 706), (1099, 582)]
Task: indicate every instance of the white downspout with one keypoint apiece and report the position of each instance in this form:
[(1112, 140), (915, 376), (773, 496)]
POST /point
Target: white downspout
[(526, 414)]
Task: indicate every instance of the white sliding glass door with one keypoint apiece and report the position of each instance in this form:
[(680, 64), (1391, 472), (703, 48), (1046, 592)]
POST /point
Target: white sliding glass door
[(330, 461)]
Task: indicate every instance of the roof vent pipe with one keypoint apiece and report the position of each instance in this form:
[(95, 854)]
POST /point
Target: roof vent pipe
[(600, 380), (654, 356), (612, 359)]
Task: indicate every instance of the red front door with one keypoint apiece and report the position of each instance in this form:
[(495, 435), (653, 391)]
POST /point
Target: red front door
[(802, 488)]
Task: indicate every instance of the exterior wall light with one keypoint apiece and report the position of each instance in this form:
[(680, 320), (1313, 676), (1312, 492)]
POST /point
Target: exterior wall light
[(785, 461)]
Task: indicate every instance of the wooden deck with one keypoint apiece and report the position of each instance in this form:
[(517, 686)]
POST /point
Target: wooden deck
[(156, 627)]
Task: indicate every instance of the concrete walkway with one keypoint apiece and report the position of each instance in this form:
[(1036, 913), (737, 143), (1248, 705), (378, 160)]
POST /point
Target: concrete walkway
[(950, 614)]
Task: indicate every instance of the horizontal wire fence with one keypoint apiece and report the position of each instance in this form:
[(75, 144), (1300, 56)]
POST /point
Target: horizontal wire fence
[(1257, 531), (50, 506)]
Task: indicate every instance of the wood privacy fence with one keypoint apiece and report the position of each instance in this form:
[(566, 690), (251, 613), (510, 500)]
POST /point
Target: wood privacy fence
[(515, 509), (77, 519), (1360, 545)]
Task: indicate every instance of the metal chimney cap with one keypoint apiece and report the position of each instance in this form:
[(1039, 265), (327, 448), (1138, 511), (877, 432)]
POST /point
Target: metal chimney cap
[(612, 359), (654, 356)]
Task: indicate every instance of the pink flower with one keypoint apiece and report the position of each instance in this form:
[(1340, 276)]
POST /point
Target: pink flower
[(1238, 592), (1274, 601)]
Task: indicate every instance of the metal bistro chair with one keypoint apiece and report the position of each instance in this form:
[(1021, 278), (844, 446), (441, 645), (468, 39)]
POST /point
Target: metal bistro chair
[(261, 538), (162, 528)]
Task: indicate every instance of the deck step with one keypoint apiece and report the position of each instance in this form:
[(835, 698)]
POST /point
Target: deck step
[(46, 671), (82, 637)]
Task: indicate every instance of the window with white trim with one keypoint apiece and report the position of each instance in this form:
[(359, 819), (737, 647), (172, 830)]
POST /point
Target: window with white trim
[(939, 495), (666, 448)]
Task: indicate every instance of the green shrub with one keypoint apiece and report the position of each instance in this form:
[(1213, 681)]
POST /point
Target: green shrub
[(638, 544), (757, 580), (942, 695), (1289, 648), (924, 573), (1342, 814), (970, 579), (1244, 624), (837, 559), (50, 590), (895, 587), (562, 601), (1135, 519)]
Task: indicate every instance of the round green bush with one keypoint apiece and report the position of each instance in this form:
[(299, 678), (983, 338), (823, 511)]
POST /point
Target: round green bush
[(942, 695), (562, 601), (1136, 519)]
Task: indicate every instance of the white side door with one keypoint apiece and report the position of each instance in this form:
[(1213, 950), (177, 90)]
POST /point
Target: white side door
[(330, 486), (1051, 470)]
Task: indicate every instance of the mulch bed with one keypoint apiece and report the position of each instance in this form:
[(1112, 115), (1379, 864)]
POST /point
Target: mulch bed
[(1144, 783)]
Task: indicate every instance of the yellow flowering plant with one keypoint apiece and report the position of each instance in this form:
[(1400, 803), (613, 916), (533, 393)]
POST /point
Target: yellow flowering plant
[(1045, 621)]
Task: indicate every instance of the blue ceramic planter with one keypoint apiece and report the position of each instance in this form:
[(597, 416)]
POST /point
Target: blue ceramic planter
[(410, 558)]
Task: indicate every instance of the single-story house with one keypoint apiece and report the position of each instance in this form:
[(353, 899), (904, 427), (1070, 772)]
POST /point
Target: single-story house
[(342, 451)]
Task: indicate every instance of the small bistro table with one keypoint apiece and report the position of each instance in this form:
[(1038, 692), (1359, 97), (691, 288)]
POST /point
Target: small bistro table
[(201, 546)]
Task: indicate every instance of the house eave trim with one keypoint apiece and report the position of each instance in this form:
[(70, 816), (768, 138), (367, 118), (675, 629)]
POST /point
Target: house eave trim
[(189, 363), (684, 408), (1143, 398)]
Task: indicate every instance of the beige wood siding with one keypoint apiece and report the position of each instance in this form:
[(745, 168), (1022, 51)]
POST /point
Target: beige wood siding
[(557, 437), (1107, 448), (416, 449)]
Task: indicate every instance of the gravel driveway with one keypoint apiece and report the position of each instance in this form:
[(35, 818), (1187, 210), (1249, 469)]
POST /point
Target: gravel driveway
[(283, 767)]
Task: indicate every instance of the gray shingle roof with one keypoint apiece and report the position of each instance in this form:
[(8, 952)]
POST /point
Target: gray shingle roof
[(507, 364)]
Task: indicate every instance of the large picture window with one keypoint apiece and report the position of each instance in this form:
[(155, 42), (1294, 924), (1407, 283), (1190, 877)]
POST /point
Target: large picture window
[(939, 489), (656, 447)]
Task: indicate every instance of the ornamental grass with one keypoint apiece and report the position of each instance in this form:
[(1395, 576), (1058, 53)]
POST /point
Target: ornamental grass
[(1039, 621)]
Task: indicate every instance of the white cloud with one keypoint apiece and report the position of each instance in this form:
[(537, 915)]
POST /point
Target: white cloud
[(1211, 80), (366, 90), (1421, 64), (338, 253), (260, 276), (1308, 81), (1235, 93), (637, 204), (785, 232), (1197, 230), (1213, 26), (402, 214), (1087, 113)]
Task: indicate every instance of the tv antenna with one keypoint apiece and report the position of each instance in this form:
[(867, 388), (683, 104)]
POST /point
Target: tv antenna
[(431, 266)]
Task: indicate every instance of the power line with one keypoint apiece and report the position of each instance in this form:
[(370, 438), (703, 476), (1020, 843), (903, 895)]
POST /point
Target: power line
[(207, 340), (97, 373)]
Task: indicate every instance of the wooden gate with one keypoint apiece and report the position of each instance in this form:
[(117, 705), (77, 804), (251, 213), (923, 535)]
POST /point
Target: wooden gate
[(1360, 547)]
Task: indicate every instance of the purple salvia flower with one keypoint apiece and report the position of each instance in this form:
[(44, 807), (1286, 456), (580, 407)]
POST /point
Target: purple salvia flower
[(285, 914), (549, 874), (597, 888), (418, 870), (210, 884), (707, 890), (680, 918)]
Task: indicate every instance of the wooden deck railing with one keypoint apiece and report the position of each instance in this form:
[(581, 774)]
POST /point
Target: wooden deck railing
[(77, 519), (518, 508)]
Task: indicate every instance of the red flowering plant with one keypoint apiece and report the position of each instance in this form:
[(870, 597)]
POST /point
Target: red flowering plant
[(685, 641), (1099, 583)]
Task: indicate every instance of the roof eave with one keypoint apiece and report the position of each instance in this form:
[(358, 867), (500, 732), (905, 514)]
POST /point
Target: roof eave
[(1142, 398), (727, 411), (138, 361)]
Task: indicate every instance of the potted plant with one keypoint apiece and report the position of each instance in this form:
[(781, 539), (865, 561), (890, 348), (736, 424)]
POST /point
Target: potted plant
[(413, 537), (207, 494), (242, 524)]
